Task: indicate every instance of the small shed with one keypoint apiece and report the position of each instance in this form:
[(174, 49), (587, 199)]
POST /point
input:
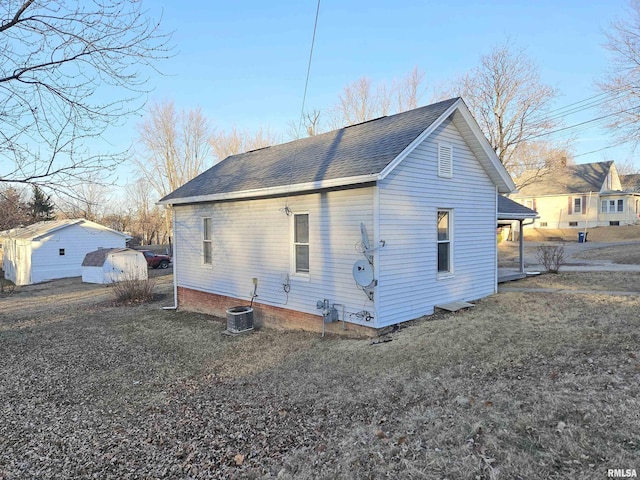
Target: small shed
[(109, 265)]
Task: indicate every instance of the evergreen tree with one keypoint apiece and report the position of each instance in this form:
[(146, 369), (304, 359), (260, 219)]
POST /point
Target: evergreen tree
[(41, 208)]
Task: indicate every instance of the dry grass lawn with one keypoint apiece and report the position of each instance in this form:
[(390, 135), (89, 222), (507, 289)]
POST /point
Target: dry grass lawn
[(623, 254), (522, 386), (596, 234)]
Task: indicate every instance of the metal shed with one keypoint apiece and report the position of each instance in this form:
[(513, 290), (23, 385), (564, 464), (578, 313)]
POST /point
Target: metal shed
[(109, 265)]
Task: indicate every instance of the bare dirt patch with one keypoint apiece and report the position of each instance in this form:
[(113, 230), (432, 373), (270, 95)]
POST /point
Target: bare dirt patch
[(521, 386)]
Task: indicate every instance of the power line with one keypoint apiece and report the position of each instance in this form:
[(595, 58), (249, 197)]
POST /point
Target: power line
[(306, 83), (582, 123)]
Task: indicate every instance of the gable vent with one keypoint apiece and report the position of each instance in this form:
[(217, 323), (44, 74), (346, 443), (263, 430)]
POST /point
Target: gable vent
[(445, 160)]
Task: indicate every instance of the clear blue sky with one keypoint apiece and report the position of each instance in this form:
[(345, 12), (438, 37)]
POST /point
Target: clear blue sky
[(245, 62)]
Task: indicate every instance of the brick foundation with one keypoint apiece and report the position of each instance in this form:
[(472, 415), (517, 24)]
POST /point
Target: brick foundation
[(267, 315)]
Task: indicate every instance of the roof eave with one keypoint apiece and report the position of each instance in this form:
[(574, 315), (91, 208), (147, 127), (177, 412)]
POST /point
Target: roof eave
[(512, 216), (282, 190)]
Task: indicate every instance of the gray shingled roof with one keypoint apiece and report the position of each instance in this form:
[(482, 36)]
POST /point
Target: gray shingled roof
[(631, 182), (584, 178), (362, 149), (510, 210), (98, 257), (39, 229)]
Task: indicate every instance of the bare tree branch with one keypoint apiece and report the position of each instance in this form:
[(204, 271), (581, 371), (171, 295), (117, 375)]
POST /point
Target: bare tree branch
[(622, 82), (510, 103), (237, 141), (175, 146), (57, 60)]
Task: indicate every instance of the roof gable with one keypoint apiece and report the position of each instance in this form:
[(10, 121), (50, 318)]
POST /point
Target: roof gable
[(583, 178), (360, 153), (41, 229)]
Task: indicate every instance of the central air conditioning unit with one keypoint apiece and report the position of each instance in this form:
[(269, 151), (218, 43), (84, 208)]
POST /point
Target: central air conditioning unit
[(239, 319)]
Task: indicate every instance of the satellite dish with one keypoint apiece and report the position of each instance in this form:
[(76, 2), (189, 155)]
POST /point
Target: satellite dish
[(363, 273), (365, 236)]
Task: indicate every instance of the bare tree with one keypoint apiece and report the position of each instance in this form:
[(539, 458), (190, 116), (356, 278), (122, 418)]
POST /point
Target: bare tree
[(14, 208), (361, 100), (237, 141), (409, 90), (56, 56), (511, 103), (621, 85), (308, 125), (89, 201), (148, 225), (175, 146)]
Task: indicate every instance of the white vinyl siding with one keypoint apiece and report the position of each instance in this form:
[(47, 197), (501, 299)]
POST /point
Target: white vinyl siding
[(253, 240), (409, 199)]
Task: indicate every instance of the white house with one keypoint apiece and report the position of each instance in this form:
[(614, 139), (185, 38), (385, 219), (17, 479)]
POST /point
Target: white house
[(373, 224), (582, 196), (54, 249), (109, 265)]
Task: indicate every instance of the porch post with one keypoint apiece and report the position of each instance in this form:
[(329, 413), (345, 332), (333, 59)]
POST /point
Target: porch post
[(521, 239)]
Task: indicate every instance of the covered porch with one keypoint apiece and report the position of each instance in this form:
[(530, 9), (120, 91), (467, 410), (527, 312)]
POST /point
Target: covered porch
[(509, 212)]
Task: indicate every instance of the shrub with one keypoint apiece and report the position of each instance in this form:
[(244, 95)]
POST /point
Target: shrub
[(551, 257), (6, 285), (133, 290)]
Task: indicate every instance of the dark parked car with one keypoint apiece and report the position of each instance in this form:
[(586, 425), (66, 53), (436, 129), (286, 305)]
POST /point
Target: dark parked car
[(154, 260)]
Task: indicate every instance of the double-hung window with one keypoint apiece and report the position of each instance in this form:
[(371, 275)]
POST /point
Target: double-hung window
[(611, 206), (444, 242), (577, 205), (207, 256), (301, 243)]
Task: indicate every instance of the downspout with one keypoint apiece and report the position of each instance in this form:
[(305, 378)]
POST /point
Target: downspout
[(376, 253), (175, 270), (495, 223)]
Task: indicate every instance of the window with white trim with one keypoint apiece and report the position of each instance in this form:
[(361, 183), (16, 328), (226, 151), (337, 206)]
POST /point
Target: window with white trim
[(577, 205), (300, 244), (207, 247), (444, 241), (445, 160), (612, 206)]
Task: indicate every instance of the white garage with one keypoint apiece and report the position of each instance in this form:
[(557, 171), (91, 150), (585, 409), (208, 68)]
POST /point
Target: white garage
[(53, 249)]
